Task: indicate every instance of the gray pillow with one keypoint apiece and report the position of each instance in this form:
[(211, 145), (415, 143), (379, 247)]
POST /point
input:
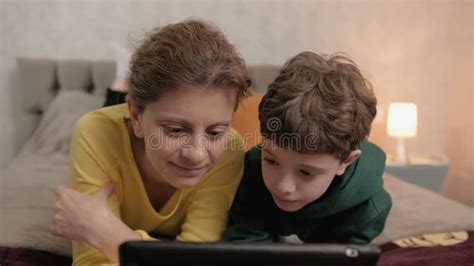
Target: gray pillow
[(37, 77), (74, 75)]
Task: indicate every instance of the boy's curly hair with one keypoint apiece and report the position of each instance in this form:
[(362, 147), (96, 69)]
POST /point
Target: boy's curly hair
[(318, 104)]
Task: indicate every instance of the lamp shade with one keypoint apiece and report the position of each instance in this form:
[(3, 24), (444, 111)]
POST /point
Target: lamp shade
[(402, 120)]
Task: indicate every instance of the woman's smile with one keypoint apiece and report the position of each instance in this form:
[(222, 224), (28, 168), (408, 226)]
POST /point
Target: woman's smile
[(189, 171)]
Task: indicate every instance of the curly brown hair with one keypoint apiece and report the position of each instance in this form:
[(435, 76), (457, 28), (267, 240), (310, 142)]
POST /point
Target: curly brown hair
[(318, 104), (189, 54)]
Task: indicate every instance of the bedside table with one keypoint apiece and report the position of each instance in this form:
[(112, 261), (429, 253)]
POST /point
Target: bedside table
[(425, 171)]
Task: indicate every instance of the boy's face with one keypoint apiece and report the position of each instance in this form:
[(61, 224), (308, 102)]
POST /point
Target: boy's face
[(295, 179)]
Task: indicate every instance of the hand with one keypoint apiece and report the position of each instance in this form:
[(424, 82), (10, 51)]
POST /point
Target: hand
[(77, 215)]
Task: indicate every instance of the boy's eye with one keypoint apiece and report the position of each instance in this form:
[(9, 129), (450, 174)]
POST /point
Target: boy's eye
[(270, 161), (305, 173)]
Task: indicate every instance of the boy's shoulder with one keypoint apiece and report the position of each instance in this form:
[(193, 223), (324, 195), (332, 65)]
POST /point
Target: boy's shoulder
[(372, 160), (253, 168), (253, 161), (254, 154), (371, 148)]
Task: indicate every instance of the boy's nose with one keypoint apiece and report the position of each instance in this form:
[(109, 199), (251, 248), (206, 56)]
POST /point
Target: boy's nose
[(286, 185)]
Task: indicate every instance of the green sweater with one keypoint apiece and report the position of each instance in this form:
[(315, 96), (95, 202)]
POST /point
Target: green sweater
[(352, 210)]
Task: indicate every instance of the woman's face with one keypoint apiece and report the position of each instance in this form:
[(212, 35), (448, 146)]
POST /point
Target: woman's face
[(185, 132)]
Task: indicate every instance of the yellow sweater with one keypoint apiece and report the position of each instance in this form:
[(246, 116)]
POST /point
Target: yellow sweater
[(101, 151)]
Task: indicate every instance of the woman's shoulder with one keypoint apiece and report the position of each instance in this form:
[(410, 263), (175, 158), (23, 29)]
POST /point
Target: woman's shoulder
[(103, 127), (103, 119)]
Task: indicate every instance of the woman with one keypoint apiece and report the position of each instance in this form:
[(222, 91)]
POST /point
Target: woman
[(167, 161)]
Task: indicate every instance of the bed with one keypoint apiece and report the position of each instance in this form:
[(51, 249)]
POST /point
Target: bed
[(57, 92)]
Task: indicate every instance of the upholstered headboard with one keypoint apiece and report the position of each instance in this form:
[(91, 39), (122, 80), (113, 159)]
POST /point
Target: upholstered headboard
[(41, 79)]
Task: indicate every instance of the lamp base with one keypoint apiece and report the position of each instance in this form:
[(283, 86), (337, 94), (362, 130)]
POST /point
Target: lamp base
[(401, 157)]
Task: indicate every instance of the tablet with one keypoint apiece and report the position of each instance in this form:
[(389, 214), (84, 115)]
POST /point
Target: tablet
[(242, 254)]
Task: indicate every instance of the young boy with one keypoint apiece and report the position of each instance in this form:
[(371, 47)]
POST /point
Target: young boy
[(315, 177)]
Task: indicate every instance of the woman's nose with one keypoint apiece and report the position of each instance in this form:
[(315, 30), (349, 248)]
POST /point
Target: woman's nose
[(194, 151)]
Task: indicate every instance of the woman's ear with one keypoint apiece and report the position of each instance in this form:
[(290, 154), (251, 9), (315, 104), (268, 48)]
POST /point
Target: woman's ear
[(354, 155), (135, 117)]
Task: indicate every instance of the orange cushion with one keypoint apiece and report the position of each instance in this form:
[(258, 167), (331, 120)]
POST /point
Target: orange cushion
[(245, 120)]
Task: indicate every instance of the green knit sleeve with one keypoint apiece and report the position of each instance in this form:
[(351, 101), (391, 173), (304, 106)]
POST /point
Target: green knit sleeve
[(371, 230), (365, 232)]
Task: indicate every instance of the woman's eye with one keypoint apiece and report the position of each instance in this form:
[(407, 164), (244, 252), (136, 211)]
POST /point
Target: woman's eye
[(270, 161), (215, 134), (174, 131)]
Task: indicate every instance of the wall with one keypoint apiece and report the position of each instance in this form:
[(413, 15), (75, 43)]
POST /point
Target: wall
[(419, 51), (460, 128)]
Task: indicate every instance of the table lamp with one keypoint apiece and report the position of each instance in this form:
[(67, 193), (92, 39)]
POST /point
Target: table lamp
[(402, 123)]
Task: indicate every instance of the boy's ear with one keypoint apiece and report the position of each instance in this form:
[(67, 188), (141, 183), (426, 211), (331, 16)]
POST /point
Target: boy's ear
[(135, 117), (354, 155)]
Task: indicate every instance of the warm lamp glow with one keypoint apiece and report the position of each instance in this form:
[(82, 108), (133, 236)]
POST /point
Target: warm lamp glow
[(402, 120), (402, 123)]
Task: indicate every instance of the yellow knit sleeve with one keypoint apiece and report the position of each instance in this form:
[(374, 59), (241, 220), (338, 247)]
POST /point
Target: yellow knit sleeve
[(207, 212), (92, 164), (144, 235)]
